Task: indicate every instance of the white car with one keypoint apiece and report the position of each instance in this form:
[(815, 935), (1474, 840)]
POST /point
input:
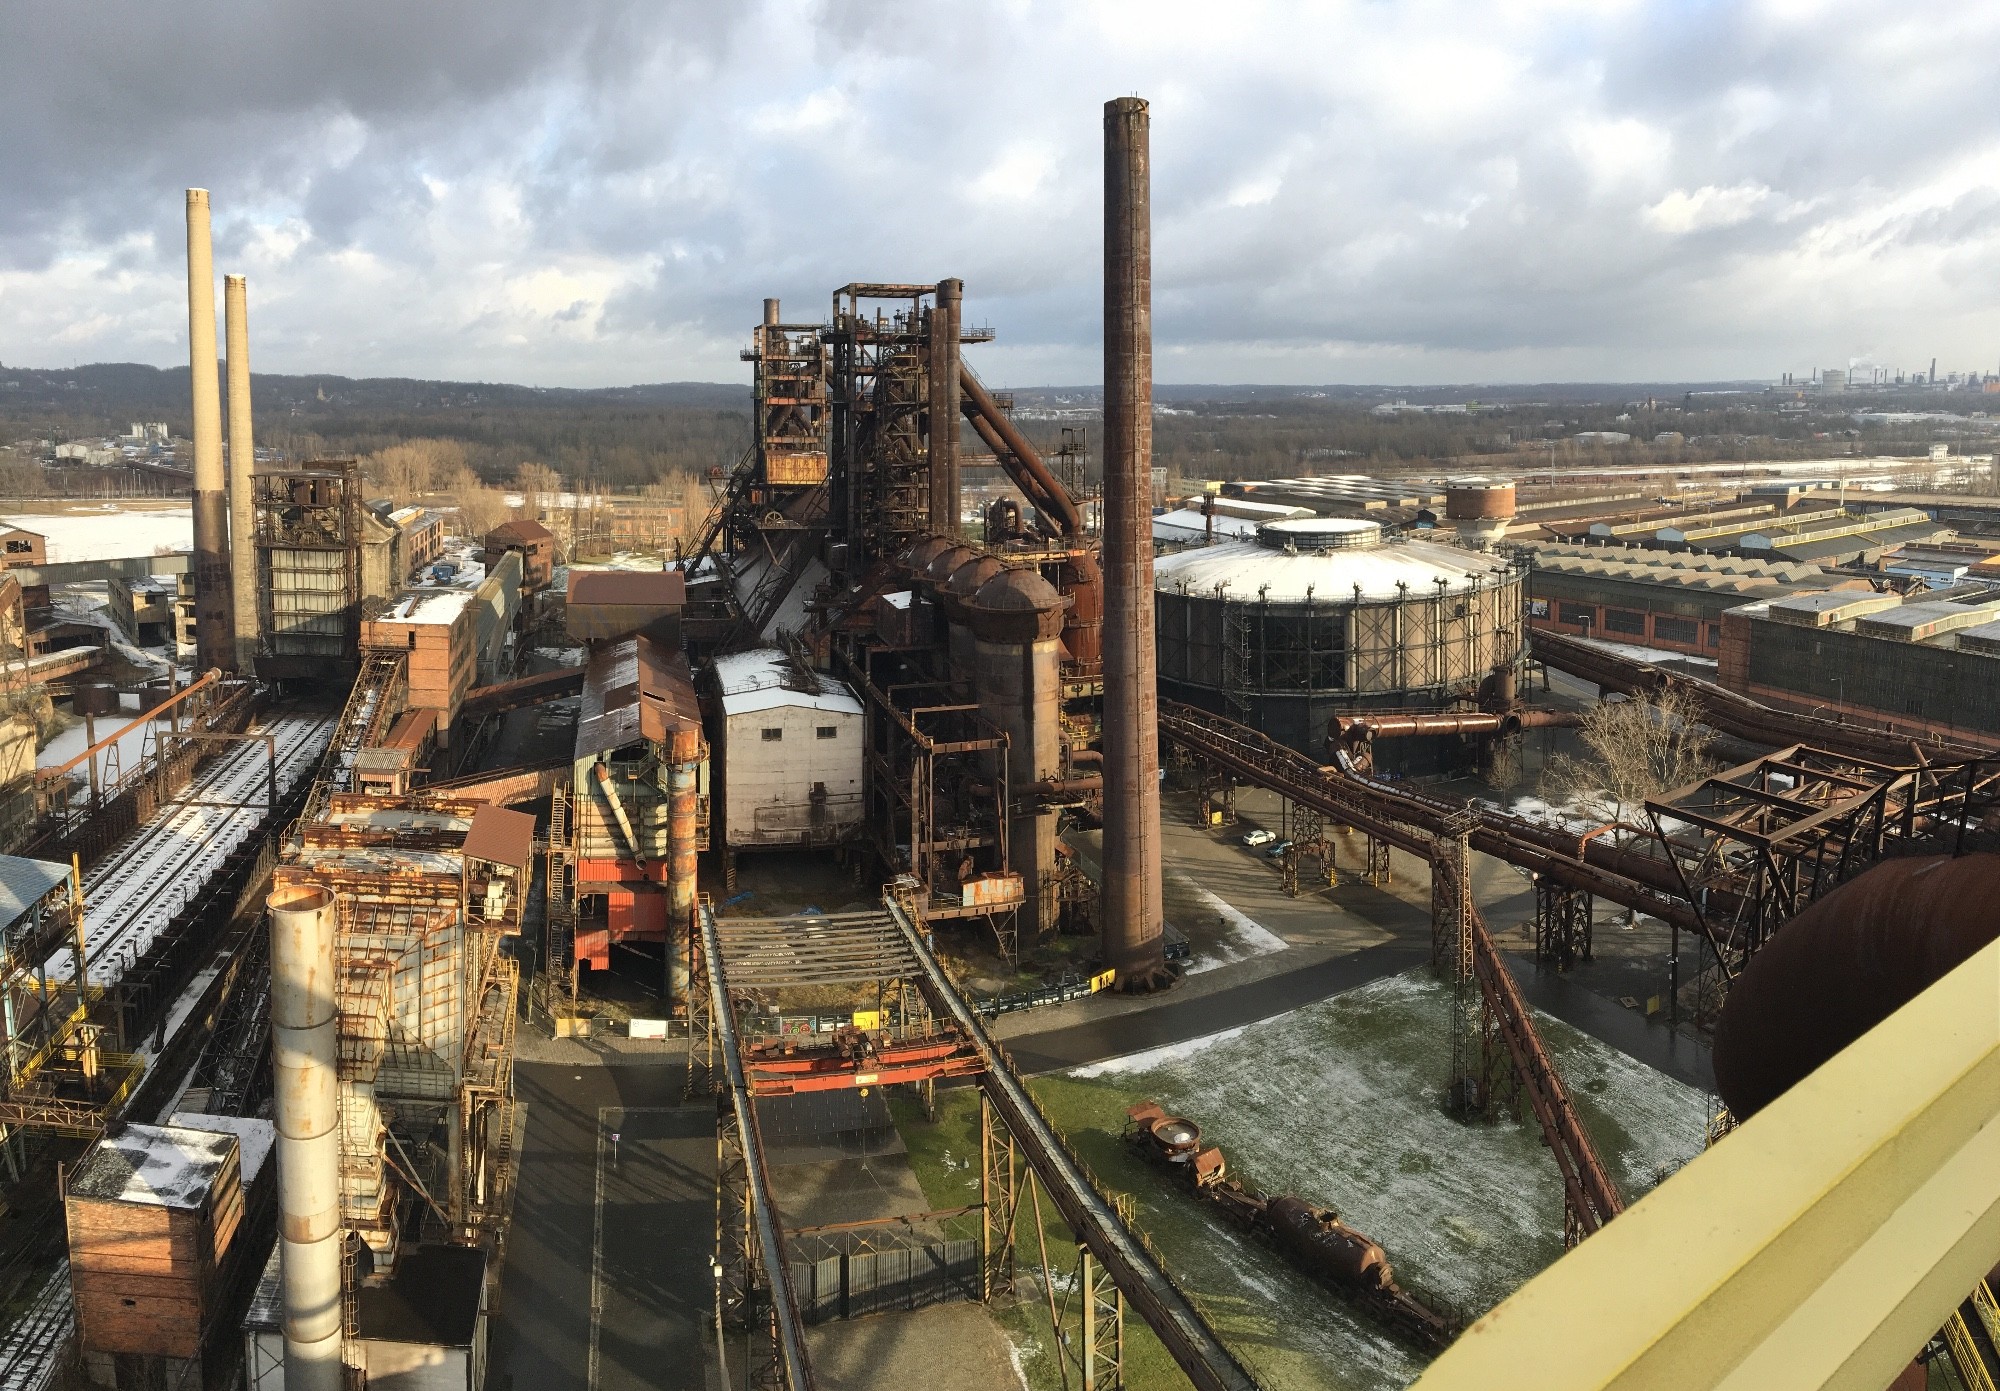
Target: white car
[(1260, 836)]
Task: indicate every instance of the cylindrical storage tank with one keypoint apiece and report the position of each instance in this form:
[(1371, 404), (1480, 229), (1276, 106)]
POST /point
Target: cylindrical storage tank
[(1479, 509), (1473, 499), (1328, 1246), (944, 562), (958, 591), (918, 557), (306, 1111), (95, 698), (1017, 674), (1318, 617)]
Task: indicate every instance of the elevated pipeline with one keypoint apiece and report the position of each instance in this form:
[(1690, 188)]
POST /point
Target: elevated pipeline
[(1023, 465), (1408, 819), (1391, 724), (1733, 713)]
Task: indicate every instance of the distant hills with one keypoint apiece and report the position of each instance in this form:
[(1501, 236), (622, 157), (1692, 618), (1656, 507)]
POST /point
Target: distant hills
[(121, 388)]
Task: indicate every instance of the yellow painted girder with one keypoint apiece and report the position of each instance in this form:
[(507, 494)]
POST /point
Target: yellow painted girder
[(1819, 1245)]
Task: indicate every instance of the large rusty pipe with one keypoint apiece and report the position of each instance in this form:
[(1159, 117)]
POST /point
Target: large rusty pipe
[(1133, 915), (944, 407), (213, 631), (306, 1111), (602, 772), (683, 857), (1396, 724), (242, 463), (1019, 458)]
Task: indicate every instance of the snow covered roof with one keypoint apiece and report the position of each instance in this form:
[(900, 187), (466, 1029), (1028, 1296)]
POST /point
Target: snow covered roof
[(255, 1137), (1191, 524), (157, 1165), (752, 681), (441, 606), (24, 883), (1244, 571)]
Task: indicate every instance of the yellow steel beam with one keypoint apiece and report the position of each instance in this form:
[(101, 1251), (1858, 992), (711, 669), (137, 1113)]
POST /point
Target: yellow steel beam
[(1819, 1245)]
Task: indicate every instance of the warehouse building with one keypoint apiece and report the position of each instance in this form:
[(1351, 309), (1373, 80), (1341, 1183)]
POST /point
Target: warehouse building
[(789, 753), (1669, 600), (1929, 664)]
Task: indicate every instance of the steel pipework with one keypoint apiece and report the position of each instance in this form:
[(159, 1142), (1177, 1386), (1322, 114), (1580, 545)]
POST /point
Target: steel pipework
[(306, 1093)]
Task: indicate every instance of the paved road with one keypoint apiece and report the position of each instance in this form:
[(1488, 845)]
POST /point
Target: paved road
[(647, 1260)]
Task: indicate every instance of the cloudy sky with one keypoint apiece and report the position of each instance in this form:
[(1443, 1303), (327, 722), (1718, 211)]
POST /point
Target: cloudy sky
[(599, 192)]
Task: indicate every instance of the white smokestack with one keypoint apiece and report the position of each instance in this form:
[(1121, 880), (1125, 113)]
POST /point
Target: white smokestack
[(242, 460), (306, 1084)]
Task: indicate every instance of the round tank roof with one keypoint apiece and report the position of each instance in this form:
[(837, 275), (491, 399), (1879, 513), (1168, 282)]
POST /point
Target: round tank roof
[(924, 552), (1250, 571), (1017, 591), (945, 561), (1320, 534), (966, 580), (1016, 606)]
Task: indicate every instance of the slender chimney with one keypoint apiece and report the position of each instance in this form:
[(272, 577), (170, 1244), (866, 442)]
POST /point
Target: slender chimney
[(944, 407), (1133, 945), (214, 645), (242, 462), (306, 1101), (770, 313)]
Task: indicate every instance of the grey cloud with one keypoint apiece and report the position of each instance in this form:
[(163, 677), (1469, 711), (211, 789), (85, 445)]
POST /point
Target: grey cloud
[(603, 191)]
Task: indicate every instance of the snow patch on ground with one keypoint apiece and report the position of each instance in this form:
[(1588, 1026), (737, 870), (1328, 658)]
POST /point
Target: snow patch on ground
[(1339, 1103), (1247, 937), (1153, 1058), (110, 534)]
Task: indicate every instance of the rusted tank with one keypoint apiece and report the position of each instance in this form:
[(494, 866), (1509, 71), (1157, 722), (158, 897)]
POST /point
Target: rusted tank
[(1847, 963), (1318, 1239)]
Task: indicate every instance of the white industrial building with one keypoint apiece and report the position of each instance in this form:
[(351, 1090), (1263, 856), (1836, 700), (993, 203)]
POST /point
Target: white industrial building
[(789, 750)]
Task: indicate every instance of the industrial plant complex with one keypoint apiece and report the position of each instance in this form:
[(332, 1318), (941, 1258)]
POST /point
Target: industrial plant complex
[(465, 961)]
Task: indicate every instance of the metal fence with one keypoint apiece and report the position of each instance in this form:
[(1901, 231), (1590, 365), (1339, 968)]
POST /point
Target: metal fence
[(848, 1275)]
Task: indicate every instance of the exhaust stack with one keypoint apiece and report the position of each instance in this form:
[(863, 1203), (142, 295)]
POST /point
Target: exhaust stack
[(1133, 944), (242, 462), (215, 646), (944, 407), (306, 1096)]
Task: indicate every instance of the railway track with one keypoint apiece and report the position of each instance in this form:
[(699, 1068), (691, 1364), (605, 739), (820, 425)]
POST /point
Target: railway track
[(144, 881)]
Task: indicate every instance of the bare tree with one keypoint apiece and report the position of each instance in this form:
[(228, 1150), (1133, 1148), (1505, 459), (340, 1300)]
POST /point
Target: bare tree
[(416, 468), (479, 507), (540, 487), (1638, 748)]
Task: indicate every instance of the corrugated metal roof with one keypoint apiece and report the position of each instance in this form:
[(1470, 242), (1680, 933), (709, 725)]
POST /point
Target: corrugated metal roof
[(664, 588), (756, 681), (501, 836), (24, 883)]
